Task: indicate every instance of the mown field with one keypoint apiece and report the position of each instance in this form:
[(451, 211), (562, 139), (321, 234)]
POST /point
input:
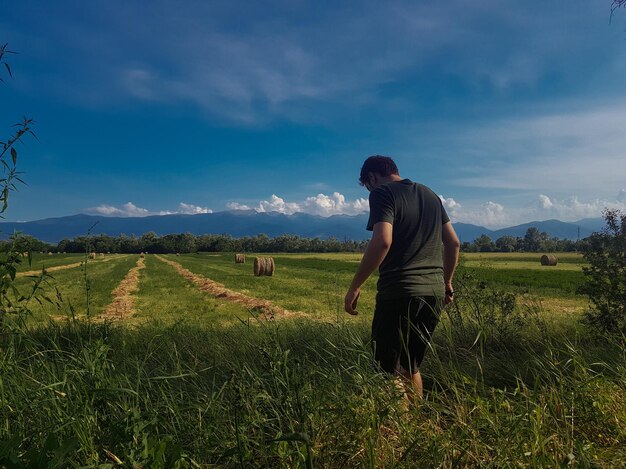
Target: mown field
[(177, 375)]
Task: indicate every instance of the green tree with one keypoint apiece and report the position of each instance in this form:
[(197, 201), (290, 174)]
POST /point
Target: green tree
[(484, 244), (532, 240), (605, 278), (506, 243)]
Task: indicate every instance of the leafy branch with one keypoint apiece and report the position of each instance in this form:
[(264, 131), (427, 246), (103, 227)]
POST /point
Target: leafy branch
[(24, 128), (11, 301)]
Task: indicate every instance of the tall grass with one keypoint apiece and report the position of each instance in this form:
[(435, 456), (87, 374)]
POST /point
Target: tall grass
[(300, 393)]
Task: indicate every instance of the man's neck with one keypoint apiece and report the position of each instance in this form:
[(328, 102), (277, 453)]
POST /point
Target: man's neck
[(390, 178)]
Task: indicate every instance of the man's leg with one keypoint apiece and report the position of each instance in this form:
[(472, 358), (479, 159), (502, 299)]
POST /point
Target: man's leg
[(417, 328), (412, 382)]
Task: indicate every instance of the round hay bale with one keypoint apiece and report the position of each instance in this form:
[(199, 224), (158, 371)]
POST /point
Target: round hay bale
[(263, 266), (92, 255), (240, 259), (101, 254), (548, 259), (49, 253), (142, 255)]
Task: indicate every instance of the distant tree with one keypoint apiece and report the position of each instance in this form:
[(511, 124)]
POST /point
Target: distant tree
[(506, 244), (532, 240), (484, 244), (26, 243), (466, 246), (605, 278)]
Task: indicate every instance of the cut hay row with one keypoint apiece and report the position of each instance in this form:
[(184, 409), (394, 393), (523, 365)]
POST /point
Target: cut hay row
[(267, 309), (59, 267), (123, 304), (49, 269)]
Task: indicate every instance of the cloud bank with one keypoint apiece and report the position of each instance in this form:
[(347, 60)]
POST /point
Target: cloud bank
[(495, 215), (131, 210), (490, 214), (321, 204)]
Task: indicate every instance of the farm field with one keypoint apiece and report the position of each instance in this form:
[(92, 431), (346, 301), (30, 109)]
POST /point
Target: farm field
[(202, 364)]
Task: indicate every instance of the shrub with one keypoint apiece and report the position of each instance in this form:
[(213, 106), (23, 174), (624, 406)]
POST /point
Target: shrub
[(605, 278)]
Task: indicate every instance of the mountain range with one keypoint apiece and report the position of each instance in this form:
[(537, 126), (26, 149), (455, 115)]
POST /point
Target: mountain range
[(238, 223)]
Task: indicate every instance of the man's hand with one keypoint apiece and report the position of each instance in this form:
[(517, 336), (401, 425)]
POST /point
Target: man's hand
[(449, 294), (350, 301)]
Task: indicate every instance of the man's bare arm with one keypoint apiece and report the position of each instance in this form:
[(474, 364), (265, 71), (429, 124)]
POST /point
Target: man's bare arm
[(374, 255), (451, 247)]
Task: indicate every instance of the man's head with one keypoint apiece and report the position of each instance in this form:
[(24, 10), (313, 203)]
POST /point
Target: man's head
[(375, 169)]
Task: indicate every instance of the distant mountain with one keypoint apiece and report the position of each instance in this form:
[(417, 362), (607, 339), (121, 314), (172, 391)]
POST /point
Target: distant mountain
[(593, 224), (469, 232), (554, 228), (238, 223)]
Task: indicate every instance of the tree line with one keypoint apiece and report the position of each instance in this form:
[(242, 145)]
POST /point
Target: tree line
[(182, 243), (532, 241)]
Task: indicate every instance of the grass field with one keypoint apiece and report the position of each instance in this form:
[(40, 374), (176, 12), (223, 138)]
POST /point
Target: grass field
[(193, 380)]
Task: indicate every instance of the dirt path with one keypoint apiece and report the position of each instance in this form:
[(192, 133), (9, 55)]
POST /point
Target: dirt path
[(123, 304), (62, 267), (267, 309)]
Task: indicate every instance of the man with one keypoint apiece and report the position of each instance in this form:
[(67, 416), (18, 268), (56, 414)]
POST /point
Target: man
[(409, 226)]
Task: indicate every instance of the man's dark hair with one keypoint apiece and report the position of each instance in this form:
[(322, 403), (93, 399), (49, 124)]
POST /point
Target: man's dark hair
[(382, 165)]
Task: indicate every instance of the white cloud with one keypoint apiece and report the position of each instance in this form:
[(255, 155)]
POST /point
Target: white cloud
[(321, 204), (621, 195), (450, 203), (495, 215), (489, 214), (277, 204), (131, 210), (192, 209), (570, 208), (127, 210), (237, 206), (544, 202), (335, 204)]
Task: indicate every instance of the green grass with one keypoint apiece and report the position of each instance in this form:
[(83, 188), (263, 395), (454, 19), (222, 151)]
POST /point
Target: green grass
[(303, 393), (552, 283), (314, 285), (38, 261), (103, 278), (186, 382), (522, 257), (167, 297)]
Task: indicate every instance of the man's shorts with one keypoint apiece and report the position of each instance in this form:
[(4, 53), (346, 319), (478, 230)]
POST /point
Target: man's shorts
[(401, 330)]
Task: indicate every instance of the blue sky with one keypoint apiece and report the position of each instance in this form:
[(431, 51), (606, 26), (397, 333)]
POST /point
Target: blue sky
[(511, 111)]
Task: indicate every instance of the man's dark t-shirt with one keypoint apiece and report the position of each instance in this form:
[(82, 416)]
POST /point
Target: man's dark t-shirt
[(414, 264)]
